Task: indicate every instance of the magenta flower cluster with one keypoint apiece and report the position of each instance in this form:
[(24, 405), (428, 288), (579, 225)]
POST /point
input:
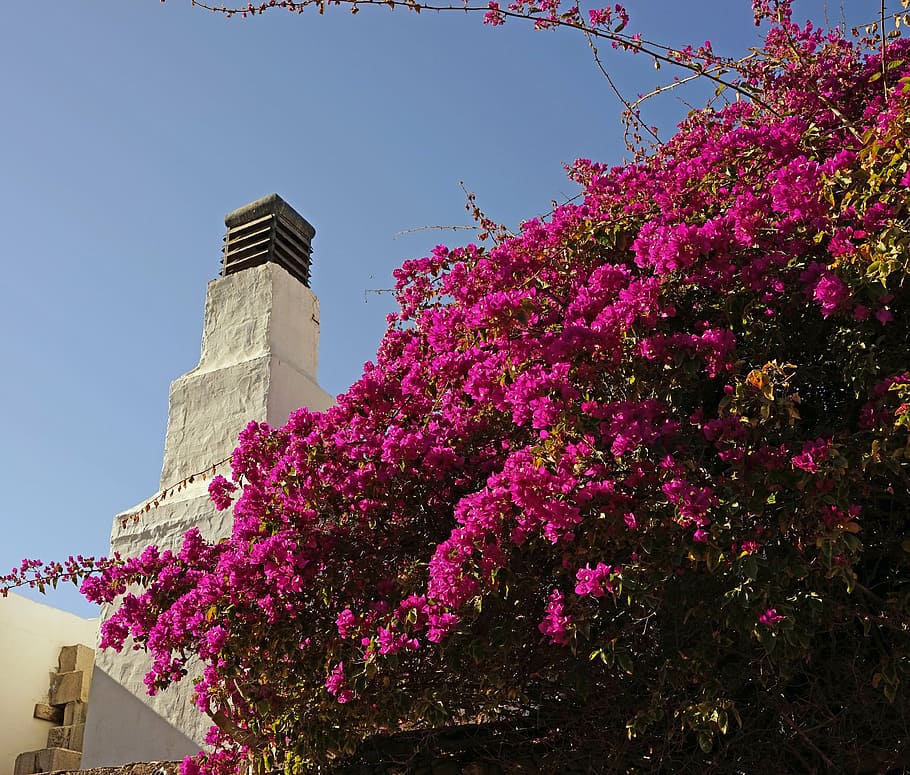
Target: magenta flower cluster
[(560, 433)]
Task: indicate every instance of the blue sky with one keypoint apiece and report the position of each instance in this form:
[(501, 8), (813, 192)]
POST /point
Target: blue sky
[(130, 127)]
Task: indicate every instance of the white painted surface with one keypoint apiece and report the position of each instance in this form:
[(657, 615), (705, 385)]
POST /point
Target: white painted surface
[(171, 726), (135, 733), (31, 636), (260, 339), (258, 362)]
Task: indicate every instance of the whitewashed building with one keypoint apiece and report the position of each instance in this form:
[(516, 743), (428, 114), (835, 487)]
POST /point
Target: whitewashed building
[(260, 346)]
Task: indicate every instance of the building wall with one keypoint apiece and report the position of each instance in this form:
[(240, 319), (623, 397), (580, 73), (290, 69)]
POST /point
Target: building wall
[(31, 635), (258, 361), (127, 729)]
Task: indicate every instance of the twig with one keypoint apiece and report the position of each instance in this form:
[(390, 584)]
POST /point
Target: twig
[(398, 234), (657, 51), (630, 114), (882, 39), (159, 497)]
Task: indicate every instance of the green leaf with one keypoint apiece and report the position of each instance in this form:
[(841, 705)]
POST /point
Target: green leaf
[(624, 661), (722, 720)]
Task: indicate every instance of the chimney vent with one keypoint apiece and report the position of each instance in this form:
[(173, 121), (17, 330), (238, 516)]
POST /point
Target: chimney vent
[(268, 229)]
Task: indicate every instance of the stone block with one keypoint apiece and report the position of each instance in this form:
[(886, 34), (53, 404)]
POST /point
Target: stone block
[(54, 759), (76, 657), (50, 713), (25, 763), (66, 737), (69, 687), (74, 713)]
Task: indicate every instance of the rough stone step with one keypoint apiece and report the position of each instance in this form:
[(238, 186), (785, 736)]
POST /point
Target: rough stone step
[(139, 768), (66, 737), (74, 713), (50, 713), (47, 760), (70, 687), (73, 658)]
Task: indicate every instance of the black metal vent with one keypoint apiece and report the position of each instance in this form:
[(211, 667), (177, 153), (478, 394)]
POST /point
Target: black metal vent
[(268, 229)]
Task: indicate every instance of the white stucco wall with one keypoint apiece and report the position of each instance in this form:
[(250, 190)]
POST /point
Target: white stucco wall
[(127, 729), (31, 635), (258, 361)]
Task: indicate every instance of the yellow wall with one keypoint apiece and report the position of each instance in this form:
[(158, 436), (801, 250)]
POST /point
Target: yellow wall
[(31, 635)]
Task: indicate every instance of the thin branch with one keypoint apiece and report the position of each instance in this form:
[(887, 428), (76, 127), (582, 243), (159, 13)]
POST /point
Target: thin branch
[(398, 234), (659, 52), (630, 115), (48, 580), (882, 40), (377, 291), (805, 738), (159, 497)]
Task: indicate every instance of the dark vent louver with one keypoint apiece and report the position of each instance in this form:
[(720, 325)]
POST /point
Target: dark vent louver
[(268, 229)]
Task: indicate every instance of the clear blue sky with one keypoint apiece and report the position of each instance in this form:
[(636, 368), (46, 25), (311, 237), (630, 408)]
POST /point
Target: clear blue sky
[(129, 128)]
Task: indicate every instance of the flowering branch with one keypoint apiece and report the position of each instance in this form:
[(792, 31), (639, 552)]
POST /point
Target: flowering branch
[(634, 466), (607, 24), (35, 574)]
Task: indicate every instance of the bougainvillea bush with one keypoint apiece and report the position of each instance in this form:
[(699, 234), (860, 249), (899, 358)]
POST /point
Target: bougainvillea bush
[(631, 485)]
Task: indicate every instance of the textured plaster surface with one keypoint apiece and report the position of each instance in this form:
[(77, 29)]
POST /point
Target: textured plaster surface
[(258, 361), (170, 727)]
